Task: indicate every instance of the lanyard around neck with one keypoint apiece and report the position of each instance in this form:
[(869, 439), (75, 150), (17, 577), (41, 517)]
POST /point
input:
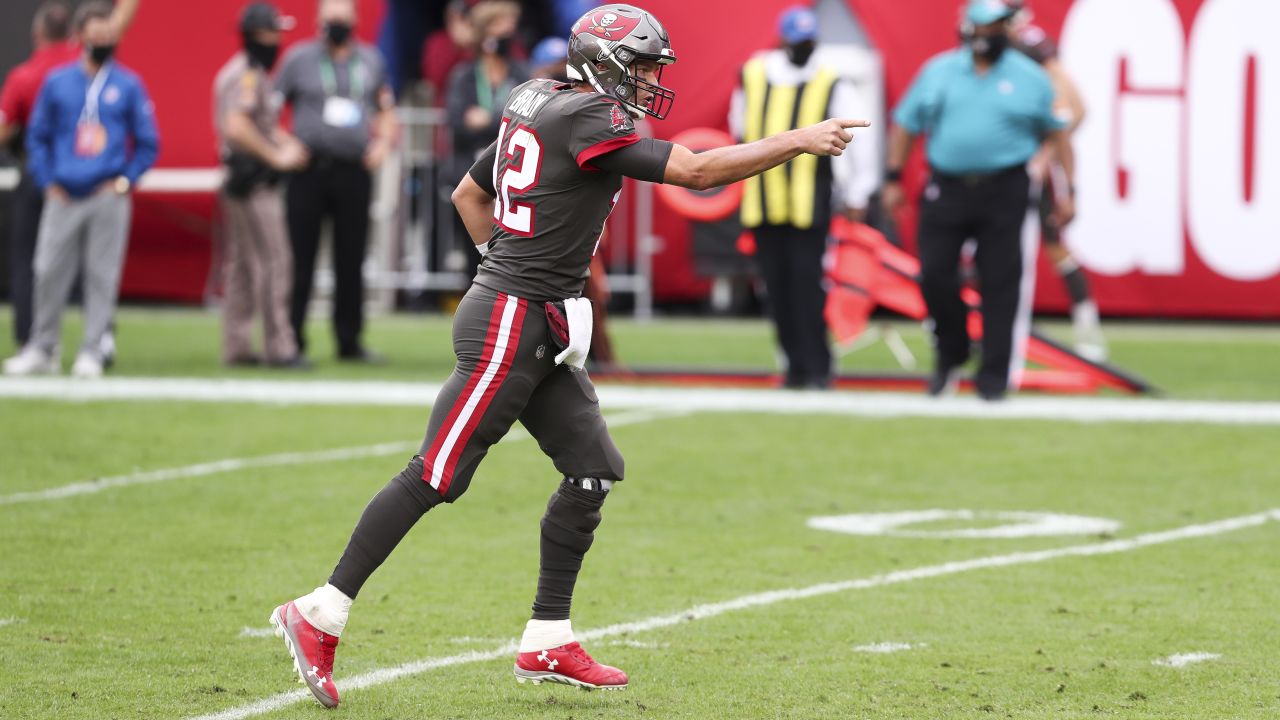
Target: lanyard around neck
[(355, 77), (484, 90), (91, 96)]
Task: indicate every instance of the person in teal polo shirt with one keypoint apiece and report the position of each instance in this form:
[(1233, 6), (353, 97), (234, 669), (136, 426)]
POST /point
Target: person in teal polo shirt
[(985, 110)]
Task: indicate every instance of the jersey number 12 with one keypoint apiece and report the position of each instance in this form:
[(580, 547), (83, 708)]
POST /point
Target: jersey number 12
[(516, 217)]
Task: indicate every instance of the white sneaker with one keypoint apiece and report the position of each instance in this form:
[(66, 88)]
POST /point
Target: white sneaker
[(1086, 324), (86, 366), (32, 361)]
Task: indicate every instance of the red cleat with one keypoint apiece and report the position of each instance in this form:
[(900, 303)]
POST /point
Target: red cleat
[(569, 665), (311, 650)]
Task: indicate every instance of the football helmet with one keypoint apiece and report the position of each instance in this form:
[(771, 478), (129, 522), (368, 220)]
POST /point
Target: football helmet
[(606, 41)]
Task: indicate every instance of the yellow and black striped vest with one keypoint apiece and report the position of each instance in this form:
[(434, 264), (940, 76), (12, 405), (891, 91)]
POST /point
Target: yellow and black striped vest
[(787, 194)]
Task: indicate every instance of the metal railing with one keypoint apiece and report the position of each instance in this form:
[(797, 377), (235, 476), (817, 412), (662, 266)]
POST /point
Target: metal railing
[(412, 230)]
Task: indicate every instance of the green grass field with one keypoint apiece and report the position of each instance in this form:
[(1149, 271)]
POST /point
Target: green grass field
[(149, 599)]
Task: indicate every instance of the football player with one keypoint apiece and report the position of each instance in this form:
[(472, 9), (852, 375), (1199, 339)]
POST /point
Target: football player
[(1031, 40), (535, 204)]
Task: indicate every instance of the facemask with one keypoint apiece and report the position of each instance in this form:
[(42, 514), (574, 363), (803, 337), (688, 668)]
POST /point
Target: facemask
[(800, 53), (101, 53), (262, 54), (989, 47), (497, 46), (337, 33)]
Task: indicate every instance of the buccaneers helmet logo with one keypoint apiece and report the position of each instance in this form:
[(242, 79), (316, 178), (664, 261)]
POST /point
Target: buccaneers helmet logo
[(607, 25)]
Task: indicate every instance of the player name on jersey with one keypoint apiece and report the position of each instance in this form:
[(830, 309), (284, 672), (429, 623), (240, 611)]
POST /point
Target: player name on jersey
[(528, 102)]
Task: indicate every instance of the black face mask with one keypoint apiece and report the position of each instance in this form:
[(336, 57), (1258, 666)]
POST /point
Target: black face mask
[(800, 53), (101, 53), (261, 54), (337, 33), (989, 47)]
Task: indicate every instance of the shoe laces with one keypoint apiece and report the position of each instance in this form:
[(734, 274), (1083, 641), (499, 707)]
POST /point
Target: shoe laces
[(327, 649), (577, 652)]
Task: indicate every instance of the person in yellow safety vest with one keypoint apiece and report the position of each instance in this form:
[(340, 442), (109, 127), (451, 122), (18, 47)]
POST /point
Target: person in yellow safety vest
[(789, 208)]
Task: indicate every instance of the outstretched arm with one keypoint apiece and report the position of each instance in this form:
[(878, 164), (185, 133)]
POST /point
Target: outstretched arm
[(727, 165), (123, 14)]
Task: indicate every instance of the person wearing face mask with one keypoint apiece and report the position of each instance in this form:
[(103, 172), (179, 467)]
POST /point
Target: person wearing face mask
[(50, 29), (92, 135), (986, 110), (255, 151), (789, 208), (344, 114), (477, 91)]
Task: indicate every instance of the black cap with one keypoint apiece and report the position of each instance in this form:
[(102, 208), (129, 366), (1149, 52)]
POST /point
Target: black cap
[(263, 16)]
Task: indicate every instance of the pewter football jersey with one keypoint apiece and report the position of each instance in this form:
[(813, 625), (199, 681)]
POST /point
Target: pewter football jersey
[(550, 203)]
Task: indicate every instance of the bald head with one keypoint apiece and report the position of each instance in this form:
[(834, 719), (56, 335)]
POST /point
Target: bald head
[(337, 11)]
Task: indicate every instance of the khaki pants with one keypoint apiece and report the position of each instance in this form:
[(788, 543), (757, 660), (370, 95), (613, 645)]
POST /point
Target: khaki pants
[(258, 276), (88, 233)]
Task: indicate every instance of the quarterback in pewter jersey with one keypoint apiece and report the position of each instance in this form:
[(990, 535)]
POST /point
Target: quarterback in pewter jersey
[(535, 204)]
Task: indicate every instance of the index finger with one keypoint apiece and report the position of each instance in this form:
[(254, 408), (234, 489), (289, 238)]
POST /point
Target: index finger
[(847, 123)]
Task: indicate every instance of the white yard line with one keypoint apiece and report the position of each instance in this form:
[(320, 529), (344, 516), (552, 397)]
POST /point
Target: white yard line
[(302, 392), (702, 612), (1184, 659), (148, 477), (882, 648), (249, 632), (9, 621)]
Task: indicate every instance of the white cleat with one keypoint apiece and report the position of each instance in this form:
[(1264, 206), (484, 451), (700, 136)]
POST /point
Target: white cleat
[(86, 367), (32, 361)]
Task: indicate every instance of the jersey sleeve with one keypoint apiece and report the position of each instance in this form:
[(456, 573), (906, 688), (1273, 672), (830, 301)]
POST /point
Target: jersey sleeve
[(914, 109), (600, 126), (11, 106), (643, 160), (246, 95), (482, 169), (1047, 117)]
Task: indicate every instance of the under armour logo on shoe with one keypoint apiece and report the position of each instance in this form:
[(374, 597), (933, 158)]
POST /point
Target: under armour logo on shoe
[(551, 664), (315, 673)]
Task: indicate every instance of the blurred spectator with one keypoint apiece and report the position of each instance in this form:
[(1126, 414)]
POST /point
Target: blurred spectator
[(789, 208), (477, 92), (255, 150), (548, 59), (447, 47), (986, 112), (1031, 40), (92, 135), (50, 32), (344, 113)]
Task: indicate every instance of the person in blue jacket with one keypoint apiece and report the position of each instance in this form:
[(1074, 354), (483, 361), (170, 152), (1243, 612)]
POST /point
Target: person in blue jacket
[(91, 136)]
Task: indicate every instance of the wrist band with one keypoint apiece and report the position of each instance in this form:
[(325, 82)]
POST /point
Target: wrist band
[(893, 176)]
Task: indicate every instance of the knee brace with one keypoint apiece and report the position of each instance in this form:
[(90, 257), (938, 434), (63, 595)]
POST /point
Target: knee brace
[(573, 513)]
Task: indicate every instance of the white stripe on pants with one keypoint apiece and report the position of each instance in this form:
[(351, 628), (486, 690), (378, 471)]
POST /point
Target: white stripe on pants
[(86, 234)]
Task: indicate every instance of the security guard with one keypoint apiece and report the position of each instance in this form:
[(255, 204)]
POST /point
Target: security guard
[(255, 150), (986, 112), (344, 113), (789, 208)]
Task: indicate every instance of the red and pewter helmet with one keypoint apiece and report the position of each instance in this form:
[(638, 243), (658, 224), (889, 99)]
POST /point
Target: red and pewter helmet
[(606, 41)]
